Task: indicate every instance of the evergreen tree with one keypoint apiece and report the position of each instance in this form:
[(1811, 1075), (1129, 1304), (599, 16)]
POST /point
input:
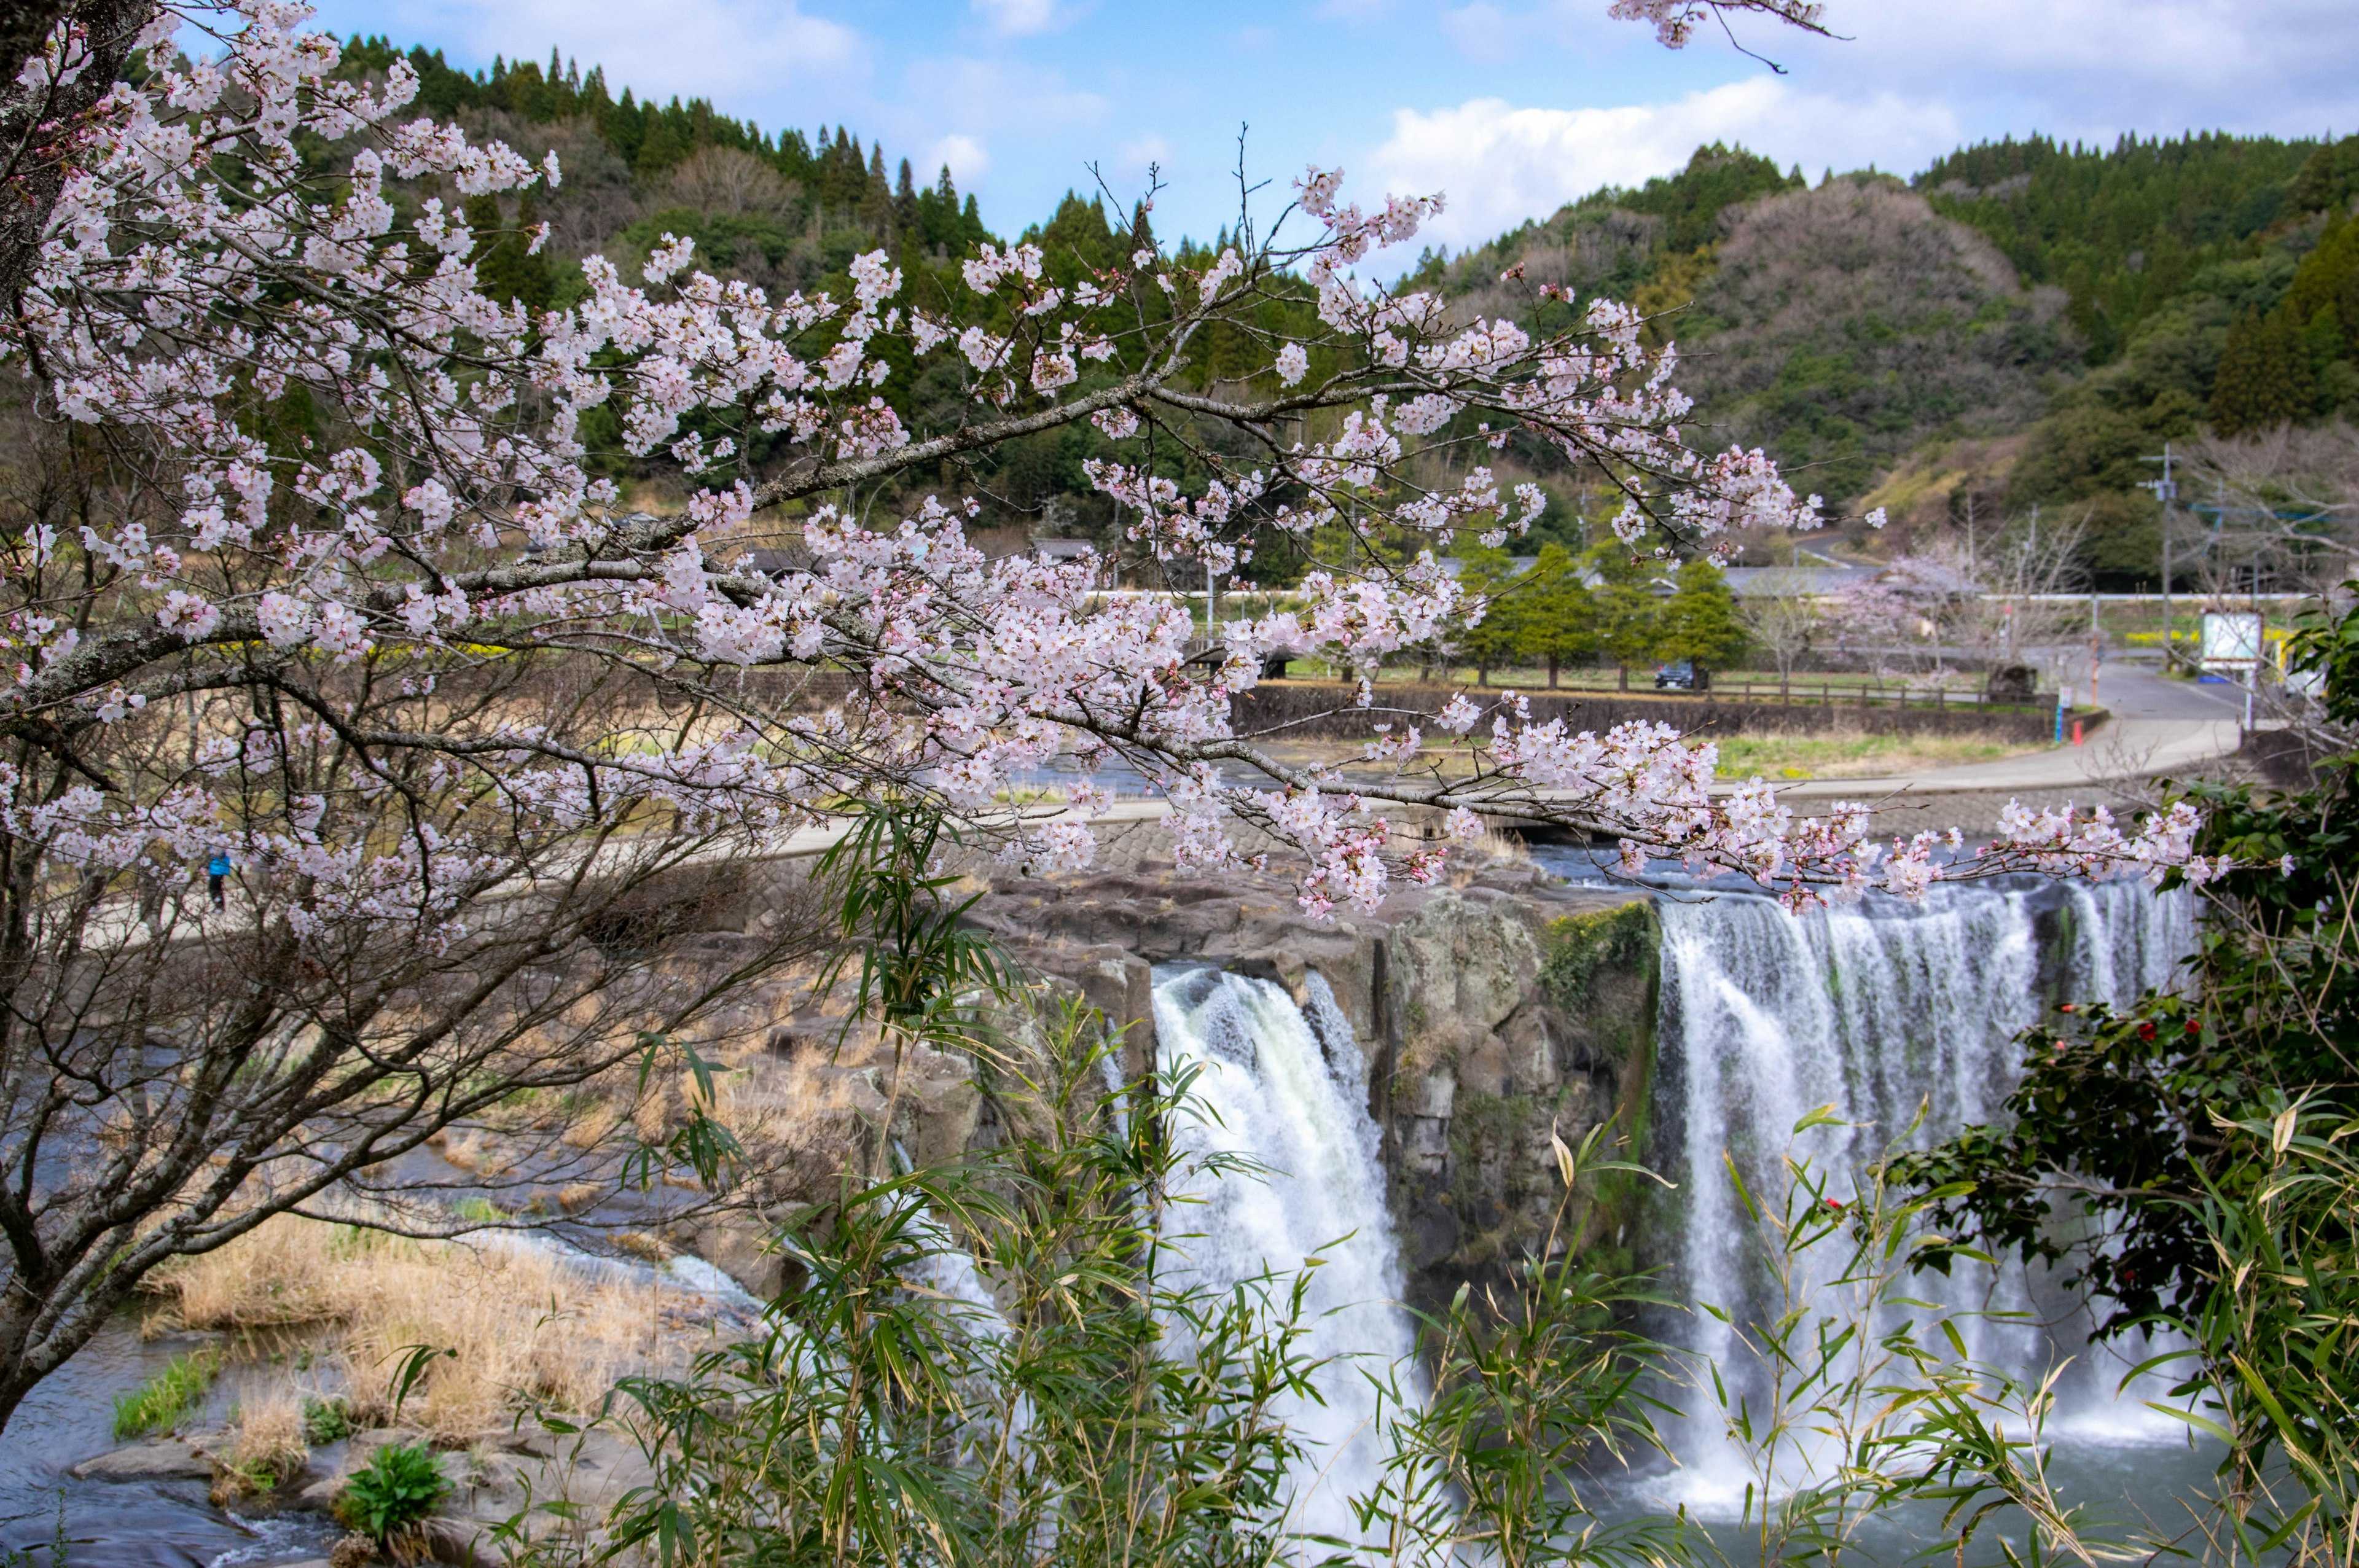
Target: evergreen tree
[(1558, 623), (663, 146), (2328, 180), (1698, 622), (876, 204), (2264, 376), (2327, 270), (626, 128), (1626, 609), (1490, 581), (905, 202), (506, 268)]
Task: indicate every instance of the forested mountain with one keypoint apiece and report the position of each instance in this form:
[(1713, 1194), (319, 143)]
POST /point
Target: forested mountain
[(799, 208), (789, 212), (2020, 324)]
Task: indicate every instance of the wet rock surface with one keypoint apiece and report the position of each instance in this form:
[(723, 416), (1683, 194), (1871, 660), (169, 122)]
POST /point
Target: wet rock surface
[(160, 1459), (1489, 1015)]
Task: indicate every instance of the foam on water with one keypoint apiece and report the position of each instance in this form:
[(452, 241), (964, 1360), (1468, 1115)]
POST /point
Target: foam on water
[(1285, 1088), (1878, 1010)]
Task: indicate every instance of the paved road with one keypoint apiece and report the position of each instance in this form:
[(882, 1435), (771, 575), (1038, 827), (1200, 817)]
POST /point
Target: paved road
[(2124, 748), (2139, 691)]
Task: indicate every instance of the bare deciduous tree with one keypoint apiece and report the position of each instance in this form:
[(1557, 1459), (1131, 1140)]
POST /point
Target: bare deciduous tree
[(2283, 503), (1782, 617)]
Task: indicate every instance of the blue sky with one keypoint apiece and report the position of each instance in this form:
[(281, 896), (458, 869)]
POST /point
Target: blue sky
[(1510, 106)]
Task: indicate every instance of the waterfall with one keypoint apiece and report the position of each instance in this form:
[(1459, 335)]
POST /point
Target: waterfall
[(1285, 1087), (1875, 1009)]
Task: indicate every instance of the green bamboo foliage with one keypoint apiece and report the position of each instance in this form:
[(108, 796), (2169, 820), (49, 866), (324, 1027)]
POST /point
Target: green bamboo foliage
[(1099, 1405)]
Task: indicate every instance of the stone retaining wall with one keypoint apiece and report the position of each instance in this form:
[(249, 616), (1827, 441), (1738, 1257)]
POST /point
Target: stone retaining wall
[(1321, 710)]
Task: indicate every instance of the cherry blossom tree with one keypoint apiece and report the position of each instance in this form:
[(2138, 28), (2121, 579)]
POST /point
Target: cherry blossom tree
[(1675, 21), (334, 594)]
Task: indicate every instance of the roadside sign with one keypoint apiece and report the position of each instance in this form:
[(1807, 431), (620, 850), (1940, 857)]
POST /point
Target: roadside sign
[(2232, 639)]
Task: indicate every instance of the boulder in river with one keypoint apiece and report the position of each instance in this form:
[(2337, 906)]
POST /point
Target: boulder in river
[(158, 1459)]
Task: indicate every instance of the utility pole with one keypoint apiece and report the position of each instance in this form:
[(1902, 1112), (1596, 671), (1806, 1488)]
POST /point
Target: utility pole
[(2165, 490)]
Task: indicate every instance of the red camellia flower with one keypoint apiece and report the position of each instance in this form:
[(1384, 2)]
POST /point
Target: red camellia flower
[(2146, 1030), (2195, 1026)]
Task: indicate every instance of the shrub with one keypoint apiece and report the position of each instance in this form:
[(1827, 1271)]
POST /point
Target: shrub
[(327, 1421), (398, 1486), (157, 1404)]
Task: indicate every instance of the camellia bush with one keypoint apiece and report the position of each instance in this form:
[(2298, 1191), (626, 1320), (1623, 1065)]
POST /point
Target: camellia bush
[(354, 714)]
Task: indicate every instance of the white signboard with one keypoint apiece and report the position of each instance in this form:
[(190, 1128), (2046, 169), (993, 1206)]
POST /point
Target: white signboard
[(2232, 641)]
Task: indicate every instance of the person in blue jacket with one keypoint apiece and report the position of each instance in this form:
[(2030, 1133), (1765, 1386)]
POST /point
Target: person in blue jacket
[(217, 872)]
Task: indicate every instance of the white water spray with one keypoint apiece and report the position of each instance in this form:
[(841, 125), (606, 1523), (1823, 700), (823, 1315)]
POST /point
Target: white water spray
[(1285, 1087), (1876, 1010)]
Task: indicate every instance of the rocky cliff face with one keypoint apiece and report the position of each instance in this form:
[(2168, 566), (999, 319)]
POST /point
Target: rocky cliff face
[(1492, 1014)]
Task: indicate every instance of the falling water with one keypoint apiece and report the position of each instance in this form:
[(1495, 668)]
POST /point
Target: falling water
[(1879, 1011), (1285, 1087)]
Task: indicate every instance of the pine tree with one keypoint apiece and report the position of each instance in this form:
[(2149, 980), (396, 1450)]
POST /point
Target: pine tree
[(2328, 180), (1557, 621), (1625, 610), (1489, 578), (1698, 621), (505, 270), (663, 146), (875, 207), (2264, 378), (905, 202)]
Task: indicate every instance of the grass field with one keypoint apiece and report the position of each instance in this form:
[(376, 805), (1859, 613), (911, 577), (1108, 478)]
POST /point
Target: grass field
[(1784, 758), (1748, 683)]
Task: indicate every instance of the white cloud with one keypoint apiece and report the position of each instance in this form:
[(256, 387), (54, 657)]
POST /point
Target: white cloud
[(2097, 67), (728, 50), (996, 94), (1017, 18), (1148, 149), (2092, 67), (968, 158), (1499, 164)]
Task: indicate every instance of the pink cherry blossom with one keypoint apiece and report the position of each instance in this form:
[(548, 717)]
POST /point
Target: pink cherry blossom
[(457, 517)]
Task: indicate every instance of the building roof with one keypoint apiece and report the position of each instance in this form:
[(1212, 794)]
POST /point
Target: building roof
[(1778, 583)]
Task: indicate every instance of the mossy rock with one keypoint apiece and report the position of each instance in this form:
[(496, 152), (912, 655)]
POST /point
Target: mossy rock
[(1581, 948)]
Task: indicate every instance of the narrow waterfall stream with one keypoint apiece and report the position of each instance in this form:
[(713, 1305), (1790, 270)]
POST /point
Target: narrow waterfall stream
[(1875, 1009), (1285, 1087)]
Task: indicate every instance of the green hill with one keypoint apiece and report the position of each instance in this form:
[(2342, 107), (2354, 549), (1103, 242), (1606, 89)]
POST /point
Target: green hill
[(2019, 324)]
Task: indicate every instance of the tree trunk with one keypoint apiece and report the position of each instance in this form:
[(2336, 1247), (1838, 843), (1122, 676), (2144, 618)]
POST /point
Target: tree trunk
[(1551, 672), (1482, 675), (1622, 677), (40, 128)]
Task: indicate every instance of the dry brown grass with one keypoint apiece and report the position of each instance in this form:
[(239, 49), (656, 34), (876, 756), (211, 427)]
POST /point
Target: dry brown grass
[(1501, 846), (270, 1430), (523, 1325), (591, 1125), (481, 1152)]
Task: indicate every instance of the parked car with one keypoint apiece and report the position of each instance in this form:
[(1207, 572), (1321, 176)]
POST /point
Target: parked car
[(1682, 674)]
